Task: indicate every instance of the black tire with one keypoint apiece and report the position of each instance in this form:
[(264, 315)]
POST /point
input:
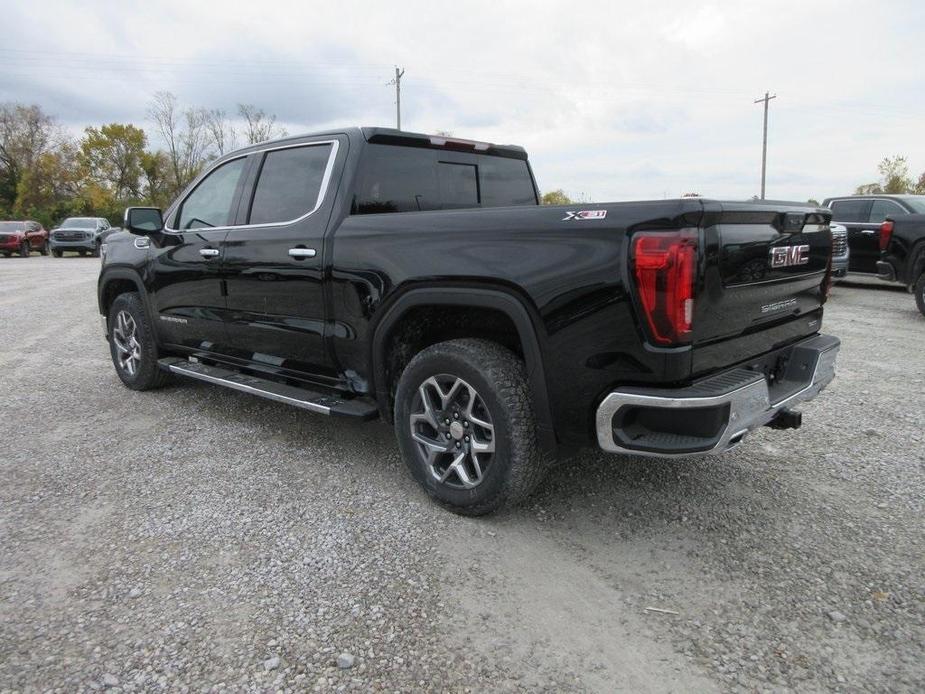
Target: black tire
[(517, 463), (96, 251), (7, 254), (56, 252), (146, 375), (44, 249), (82, 252), (919, 289), (24, 249)]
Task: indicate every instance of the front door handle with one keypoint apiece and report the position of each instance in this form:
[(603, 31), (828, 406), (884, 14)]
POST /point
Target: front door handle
[(302, 252), (208, 252)]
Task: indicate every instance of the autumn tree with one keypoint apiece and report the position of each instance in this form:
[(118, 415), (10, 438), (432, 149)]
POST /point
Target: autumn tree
[(556, 197), (26, 133), (111, 157), (51, 188)]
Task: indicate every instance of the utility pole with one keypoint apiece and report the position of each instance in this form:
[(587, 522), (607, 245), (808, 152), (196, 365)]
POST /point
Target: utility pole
[(764, 139), (397, 83)]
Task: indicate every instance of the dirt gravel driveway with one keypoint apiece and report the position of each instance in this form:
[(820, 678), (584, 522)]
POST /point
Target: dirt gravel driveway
[(196, 538)]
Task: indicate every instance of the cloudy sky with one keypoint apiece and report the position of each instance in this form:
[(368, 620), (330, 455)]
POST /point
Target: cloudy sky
[(613, 100)]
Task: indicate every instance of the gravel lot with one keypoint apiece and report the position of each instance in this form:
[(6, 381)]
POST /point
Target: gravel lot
[(194, 537)]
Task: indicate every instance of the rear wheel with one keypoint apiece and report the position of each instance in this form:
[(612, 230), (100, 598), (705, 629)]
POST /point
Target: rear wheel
[(465, 425), (132, 344), (25, 249), (919, 290)]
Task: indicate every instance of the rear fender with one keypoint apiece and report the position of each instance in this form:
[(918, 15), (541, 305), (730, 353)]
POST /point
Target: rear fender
[(497, 299)]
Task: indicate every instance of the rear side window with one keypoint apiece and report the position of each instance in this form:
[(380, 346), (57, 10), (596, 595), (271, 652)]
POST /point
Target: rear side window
[(289, 185), (881, 209), (410, 179), (850, 210), (209, 205)]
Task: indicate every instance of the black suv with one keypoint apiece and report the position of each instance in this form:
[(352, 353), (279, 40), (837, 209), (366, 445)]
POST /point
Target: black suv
[(376, 273)]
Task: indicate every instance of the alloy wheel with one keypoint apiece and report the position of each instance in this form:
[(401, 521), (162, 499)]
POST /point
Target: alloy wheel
[(453, 431), (125, 338)]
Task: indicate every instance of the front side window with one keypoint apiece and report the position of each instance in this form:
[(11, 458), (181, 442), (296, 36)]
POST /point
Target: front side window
[(881, 209), (209, 205), (289, 185), (850, 210)]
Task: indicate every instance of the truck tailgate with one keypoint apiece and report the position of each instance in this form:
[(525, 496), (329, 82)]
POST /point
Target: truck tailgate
[(765, 267)]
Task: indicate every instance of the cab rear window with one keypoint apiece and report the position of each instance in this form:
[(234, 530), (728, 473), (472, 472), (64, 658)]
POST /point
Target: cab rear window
[(409, 179)]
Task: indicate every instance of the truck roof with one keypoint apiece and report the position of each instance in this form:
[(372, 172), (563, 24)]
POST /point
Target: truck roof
[(380, 135)]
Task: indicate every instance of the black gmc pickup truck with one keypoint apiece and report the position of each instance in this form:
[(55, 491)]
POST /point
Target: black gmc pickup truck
[(902, 255), (377, 273)]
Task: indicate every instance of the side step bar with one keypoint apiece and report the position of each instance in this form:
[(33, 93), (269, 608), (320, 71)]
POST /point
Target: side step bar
[(358, 408)]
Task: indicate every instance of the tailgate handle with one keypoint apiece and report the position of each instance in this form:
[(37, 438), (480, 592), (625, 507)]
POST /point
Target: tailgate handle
[(868, 231)]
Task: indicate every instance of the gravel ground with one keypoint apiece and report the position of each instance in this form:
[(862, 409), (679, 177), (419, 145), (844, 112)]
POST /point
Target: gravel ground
[(196, 538)]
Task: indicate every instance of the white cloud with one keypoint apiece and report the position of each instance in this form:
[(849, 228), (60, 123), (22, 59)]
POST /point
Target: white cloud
[(614, 99)]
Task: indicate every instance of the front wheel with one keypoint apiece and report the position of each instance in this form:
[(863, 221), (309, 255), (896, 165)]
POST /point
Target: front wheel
[(919, 290), (56, 252), (24, 249), (96, 251), (465, 425), (132, 344), (44, 248)]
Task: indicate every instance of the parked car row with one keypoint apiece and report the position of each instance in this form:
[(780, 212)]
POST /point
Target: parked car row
[(82, 235), (886, 237)]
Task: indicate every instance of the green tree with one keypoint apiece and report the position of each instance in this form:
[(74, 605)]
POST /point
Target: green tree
[(555, 197), (111, 157), (894, 178)]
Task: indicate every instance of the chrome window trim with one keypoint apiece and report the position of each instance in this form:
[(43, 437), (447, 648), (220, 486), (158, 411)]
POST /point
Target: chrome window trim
[(322, 192)]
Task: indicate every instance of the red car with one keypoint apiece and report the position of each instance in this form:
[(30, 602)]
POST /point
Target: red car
[(23, 238)]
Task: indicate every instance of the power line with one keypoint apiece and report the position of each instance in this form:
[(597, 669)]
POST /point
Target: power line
[(764, 139)]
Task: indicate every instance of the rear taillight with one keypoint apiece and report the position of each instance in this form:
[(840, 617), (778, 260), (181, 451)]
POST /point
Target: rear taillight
[(665, 265), (886, 233)]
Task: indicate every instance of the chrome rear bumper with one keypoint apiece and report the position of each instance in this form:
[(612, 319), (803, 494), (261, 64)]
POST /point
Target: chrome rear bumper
[(715, 414)]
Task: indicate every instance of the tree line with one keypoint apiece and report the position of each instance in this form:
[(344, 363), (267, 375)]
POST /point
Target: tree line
[(895, 178), (46, 174)]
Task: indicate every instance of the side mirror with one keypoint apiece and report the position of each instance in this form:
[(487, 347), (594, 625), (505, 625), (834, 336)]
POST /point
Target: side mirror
[(143, 220)]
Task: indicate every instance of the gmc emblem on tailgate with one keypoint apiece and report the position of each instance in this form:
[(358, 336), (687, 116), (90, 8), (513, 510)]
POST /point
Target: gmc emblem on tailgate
[(784, 256)]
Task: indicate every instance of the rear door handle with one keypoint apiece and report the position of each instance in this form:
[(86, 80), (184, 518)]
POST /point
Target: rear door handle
[(208, 252), (302, 252)]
